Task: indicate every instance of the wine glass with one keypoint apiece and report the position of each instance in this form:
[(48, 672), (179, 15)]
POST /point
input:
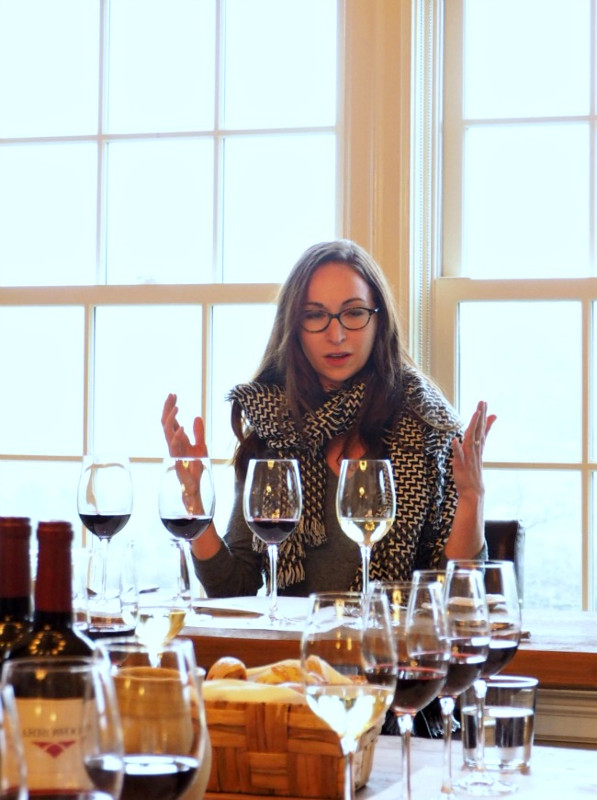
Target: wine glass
[(468, 628), (348, 665), (366, 504), (186, 500), (13, 778), (162, 716), (69, 724), (272, 507), (420, 630), (505, 624), (105, 504)]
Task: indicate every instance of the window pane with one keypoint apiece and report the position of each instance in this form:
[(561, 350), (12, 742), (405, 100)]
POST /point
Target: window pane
[(280, 63), (524, 359), (142, 354), (526, 201), (48, 69), (593, 408), (41, 363), (548, 503), (547, 69), (279, 198), (160, 211), (41, 491), (162, 54), (48, 214), (240, 334)]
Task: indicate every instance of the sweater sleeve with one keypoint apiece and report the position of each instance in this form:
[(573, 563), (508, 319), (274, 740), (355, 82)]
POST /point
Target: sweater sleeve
[(236, 569)]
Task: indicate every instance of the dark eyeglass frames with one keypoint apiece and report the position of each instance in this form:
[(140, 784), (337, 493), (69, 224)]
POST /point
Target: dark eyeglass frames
[(317, 320)]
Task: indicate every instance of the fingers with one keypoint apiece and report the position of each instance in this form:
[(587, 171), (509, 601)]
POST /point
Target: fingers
[(199, 434)]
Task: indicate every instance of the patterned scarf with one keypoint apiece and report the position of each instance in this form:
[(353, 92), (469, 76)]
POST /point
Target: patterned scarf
[(419, 448)]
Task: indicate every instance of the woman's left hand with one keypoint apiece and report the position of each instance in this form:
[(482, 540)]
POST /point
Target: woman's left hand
[(467, 455)]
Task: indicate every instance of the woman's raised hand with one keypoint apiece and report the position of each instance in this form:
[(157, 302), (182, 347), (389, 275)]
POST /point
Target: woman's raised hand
[(179, 443), (467, 455)]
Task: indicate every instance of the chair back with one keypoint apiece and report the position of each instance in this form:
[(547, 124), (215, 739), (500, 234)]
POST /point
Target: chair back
[(505, 541)]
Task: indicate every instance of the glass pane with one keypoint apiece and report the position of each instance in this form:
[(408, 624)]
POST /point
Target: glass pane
[(524, 359), (240, 334), (280, 63), (526, 201), (548, 503), (142, 354), (41, 490), (48, 69), (41, 363), (162, 54), (279, 199), (593, 407), (160, 211), (48, 214), (547, 68)]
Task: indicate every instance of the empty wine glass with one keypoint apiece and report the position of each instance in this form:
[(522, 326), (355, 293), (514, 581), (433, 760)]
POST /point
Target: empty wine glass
[(420, 632), (366, 504), (162, 716), (348, 664), (505, 623), (186, 500), (69, 724), (272, 507), (13, 782), (105, 504)]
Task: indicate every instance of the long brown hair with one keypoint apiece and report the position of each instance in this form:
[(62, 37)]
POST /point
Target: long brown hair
[(285, 364)]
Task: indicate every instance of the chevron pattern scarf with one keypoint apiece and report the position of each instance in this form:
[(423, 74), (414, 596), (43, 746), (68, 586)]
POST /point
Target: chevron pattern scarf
[(419, 448)]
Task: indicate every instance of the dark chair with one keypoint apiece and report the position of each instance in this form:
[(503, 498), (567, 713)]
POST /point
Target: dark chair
[(505, 541)]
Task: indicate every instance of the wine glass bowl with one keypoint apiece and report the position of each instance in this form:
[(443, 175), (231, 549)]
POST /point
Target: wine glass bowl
[(104, 504), (186, 499), (13, 778), (69, 724), (272, 507), (348, 663), (162, 716), (365, 504)]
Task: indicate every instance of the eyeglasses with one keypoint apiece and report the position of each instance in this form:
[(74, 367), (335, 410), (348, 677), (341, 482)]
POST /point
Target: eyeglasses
[(353, 319)]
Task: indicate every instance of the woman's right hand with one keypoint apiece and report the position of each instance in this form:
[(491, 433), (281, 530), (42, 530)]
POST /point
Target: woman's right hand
[(179, 443)]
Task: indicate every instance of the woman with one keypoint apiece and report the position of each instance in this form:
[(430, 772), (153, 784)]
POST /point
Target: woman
[(335, 382)]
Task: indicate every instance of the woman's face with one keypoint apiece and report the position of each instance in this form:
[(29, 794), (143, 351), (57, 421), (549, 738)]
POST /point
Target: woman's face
[(336, 354)]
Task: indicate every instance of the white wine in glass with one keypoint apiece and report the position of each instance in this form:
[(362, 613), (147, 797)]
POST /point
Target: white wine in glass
[(366, 504), (272, 507), (349, 635)]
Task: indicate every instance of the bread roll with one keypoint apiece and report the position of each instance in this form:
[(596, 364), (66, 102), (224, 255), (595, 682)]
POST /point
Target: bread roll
[(227, 667)]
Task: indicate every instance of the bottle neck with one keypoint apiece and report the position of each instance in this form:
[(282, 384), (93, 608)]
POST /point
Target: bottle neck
[(53, 584), (15, 569)]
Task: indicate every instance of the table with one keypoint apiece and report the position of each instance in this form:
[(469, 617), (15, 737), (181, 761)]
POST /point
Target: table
[(561, 649), (554, 772)]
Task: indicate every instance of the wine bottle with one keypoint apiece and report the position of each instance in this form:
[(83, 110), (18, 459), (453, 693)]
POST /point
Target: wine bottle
[(15, 581), (53, 632)]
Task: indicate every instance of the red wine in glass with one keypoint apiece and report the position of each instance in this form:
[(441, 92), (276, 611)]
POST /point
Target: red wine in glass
[(104, 526), (186, 528), (272, 531)]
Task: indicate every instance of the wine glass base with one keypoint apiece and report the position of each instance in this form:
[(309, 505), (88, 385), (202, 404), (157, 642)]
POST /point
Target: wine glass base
[(483, 785)]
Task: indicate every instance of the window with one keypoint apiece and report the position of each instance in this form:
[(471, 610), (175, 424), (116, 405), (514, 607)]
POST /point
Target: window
[(514, 295), (162, 165)]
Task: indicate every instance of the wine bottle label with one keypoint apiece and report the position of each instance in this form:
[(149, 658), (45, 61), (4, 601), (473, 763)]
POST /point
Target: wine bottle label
[(53, 733)]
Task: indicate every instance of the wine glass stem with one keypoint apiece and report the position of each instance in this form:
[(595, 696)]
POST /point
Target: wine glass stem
[(405, 725), (348, 776), (480, 688), (366, 558), (447, 706), (272, 551), (103, 582)]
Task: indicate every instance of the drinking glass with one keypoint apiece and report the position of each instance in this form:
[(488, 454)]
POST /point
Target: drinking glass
[(105, 504), (348, 665), (366, 504), (186, 500), (505, 623), (272, 507), (69, 723), (420, 631), (468, 628), (13, 780), (162, 716)]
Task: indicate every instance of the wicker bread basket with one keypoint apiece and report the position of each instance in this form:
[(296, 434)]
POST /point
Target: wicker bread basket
[(278, 748)]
